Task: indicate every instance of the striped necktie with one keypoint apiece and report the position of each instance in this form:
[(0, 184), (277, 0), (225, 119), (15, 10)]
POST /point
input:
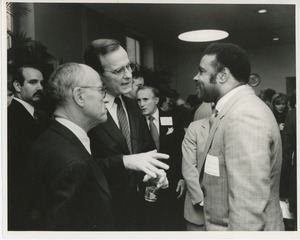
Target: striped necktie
[(154, 132), (123, 122)]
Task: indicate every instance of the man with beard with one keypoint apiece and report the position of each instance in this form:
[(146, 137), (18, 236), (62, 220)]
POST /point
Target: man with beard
[(241, 164), (23, 127)]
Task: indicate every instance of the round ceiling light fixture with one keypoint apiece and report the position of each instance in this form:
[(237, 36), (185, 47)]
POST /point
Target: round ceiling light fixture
[(262, 11), (205, 35)]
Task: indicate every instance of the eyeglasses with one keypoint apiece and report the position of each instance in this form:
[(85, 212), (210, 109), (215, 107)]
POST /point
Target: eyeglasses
[(100, 89), (121, 70)]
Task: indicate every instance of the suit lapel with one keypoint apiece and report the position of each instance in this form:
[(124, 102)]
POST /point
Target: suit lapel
[(111, 128), (227, 106), (162, 129), (62, 130)]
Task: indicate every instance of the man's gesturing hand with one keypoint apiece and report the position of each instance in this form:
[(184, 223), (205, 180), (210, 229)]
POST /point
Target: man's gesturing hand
[(146, 162)]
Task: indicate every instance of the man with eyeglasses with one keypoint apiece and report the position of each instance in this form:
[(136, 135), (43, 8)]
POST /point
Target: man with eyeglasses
[(123, 143), (67, 190)]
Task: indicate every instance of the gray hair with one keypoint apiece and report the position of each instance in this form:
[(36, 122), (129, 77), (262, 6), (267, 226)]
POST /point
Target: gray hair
[(62, 82)]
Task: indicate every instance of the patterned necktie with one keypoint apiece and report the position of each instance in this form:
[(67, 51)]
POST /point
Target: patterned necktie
[(212, 117), (154, 132), (123, 122), (36, 116)]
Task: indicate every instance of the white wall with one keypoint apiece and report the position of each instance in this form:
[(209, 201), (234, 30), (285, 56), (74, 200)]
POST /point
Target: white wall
[(273, 64)]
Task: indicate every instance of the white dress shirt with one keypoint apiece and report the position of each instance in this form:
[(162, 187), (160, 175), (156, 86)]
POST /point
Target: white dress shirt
[(78, 131), (111, 106), (223, 100)]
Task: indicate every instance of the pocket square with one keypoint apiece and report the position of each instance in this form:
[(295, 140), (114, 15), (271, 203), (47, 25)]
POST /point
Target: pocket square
[(170, 130)]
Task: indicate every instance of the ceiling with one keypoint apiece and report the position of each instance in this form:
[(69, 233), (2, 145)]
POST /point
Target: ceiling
[(164, 22)]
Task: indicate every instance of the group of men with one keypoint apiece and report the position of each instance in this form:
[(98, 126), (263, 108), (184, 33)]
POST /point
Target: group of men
[(85, 169)]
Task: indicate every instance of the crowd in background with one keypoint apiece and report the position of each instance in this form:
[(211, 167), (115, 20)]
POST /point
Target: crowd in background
[(64, 192)]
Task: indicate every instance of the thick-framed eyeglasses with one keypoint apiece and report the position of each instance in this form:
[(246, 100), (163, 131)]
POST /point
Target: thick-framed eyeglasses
[(131, 66), (100, 89)]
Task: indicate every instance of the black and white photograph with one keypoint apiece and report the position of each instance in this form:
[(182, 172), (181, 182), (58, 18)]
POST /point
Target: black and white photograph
[(149, 119)]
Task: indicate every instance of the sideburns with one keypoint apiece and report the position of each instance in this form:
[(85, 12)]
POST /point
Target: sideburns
[(213, 77)]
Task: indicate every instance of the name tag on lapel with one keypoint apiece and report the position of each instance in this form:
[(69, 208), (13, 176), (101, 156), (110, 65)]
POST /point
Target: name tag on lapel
[(212, 165), (166, 121)]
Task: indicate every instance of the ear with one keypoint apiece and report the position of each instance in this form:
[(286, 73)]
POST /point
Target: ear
[(224, 75), (156, 100), (17, 86), (78, 97)]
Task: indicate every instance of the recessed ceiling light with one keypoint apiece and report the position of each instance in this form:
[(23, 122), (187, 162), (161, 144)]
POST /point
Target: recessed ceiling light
[(262, 11), (206, 35), (275, 39)]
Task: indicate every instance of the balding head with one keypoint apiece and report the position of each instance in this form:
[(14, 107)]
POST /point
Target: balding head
[(65, 79), (76, 90)]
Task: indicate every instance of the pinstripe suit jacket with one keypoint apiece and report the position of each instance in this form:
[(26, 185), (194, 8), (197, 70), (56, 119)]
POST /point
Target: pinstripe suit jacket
[(241, 172)]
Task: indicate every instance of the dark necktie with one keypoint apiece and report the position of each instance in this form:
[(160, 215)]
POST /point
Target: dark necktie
[(212, 118), (123, 122), (36, 116), (154, 132)]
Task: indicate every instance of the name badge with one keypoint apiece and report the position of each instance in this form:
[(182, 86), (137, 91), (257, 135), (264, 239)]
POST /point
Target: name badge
[(212, 165), (166, 121)]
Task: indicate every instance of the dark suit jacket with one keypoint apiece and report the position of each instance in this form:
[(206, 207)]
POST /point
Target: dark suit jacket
[(69, 189), (288, 180), (170, 140), (109, 145), (167, 212), (22, 131)]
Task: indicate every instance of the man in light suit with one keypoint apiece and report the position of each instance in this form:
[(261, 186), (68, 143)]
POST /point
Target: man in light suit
[(123, 142), (168, 134), (192, 156), (241, 171), (67, 189), (23, 129)]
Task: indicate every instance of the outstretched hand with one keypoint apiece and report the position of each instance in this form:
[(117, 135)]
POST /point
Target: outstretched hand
[(146, 162)]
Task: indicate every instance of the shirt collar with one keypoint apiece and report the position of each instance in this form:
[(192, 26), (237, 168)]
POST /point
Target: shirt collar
[(223, 100), (111, 100), (156, 114), (78, 131), (26, 105)]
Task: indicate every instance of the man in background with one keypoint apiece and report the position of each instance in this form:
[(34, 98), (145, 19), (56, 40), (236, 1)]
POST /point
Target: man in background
[(24, 126), (167, 134), (241, 170), (123, 142), (137, 82)]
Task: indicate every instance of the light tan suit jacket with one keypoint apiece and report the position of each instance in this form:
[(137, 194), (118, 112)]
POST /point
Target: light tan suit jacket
[(241, 172), (192, 150)]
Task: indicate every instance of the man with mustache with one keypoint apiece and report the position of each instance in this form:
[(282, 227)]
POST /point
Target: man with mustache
[(241, 163), (23, 127)]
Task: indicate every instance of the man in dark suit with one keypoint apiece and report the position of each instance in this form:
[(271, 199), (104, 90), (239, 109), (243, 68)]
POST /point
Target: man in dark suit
[(23, 128), (123, 141), (167, 134), (69, 190), (288, 179)]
